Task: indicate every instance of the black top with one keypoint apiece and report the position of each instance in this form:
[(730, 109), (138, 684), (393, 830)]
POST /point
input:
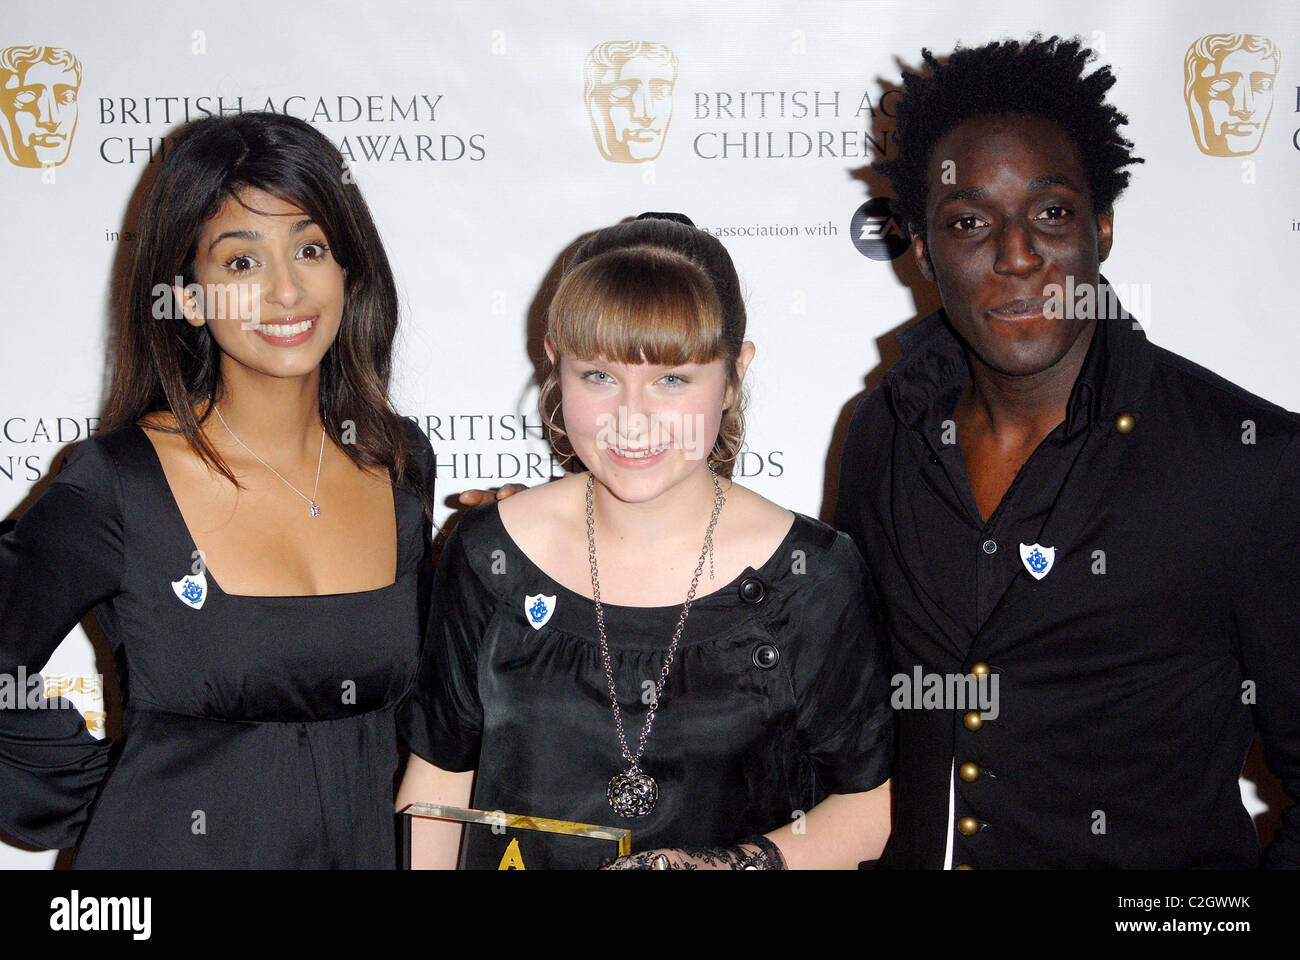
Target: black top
[(777, 695), (1124, 716), (257, 731)]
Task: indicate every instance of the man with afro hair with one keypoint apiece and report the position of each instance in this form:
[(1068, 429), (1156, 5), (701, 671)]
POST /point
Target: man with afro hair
[(1082, 545)]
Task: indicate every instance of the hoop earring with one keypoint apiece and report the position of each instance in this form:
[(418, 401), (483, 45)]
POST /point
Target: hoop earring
[(555, 433)]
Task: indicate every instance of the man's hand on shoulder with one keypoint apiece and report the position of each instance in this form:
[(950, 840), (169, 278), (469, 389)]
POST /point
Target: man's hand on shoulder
[(473, 498)]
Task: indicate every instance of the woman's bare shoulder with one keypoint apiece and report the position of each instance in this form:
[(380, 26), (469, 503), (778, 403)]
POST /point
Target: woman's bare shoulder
[(755, 524), (761, 512), (536, 514), (165, 434), (159, 422), (162, 431), (184, 467)]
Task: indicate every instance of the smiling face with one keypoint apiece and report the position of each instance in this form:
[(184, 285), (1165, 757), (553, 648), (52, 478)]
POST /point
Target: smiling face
[(271, 292), (1017, 220), (40, 108), (644, 428)]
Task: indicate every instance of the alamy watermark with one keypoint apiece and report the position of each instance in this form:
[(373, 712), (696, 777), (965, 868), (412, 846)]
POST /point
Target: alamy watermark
[(23, 691), (945, 691), (653, 434), (216, 301), (1097, 301)]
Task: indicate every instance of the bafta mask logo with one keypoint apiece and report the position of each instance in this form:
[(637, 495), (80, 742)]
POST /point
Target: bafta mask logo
[(38, 95), (628, 90), (1229, 79)]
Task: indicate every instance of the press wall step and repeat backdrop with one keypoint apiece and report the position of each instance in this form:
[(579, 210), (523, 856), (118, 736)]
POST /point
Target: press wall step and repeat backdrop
[(489, 136)]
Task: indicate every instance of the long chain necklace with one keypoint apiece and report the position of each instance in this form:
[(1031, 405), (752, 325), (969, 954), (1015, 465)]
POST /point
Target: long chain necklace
[(633, 793), (315, 510)]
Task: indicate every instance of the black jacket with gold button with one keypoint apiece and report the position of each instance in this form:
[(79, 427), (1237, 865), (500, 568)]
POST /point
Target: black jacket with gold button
[(1163, 630)]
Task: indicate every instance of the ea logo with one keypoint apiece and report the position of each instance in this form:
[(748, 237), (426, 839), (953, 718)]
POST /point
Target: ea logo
[(876, 231)]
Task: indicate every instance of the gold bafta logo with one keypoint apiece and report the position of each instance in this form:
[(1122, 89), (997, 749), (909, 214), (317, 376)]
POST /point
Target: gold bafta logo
[(628, 90), (86, 693), (1228, 85), (39, 87), (95, 722)]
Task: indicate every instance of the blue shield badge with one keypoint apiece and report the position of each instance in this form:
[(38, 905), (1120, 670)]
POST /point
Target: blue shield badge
[(191, 590), (1038, 559), (538, 610)]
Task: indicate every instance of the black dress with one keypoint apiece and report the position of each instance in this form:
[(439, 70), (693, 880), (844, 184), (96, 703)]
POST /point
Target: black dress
[(257, 731), (778, 694)]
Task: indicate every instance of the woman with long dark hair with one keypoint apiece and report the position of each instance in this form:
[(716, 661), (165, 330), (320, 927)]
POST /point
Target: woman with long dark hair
[(248, 528), (645, 643)]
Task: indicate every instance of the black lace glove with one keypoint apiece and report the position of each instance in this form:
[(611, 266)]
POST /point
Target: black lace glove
[(752, 853)]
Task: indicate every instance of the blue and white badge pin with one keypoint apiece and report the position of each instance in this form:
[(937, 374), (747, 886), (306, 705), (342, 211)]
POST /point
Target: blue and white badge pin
[(192, 590), (538, 609), (1038, 559)]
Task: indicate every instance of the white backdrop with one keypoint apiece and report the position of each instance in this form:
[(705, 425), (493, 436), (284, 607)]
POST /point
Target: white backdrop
[(468, 134)]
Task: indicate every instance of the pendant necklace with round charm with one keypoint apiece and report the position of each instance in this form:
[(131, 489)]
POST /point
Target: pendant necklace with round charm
[(320, 458), (633, 792)]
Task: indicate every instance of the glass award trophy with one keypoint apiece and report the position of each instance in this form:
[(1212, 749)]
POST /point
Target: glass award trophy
[(495, 840)]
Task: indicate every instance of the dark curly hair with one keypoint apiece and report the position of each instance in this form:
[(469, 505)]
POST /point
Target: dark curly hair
[(1042, 78)]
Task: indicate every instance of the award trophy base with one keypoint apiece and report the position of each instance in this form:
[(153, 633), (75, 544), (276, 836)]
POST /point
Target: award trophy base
[(495, 840)]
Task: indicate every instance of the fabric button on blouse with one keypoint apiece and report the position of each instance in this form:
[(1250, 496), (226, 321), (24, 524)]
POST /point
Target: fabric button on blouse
[(778, 693), (766, 656)]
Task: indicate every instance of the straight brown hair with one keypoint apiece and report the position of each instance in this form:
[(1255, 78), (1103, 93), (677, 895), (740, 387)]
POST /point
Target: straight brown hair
[(162, 363)]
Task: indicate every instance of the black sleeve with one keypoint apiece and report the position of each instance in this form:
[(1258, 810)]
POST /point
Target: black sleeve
[(443, 718), (63, 557), (424, 455), (851, 490), (840, 674), (1267, 611), (848, 486)]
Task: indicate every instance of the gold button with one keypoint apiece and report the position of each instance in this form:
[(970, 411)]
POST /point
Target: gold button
[(968, 826), (964, 866), (980, 670), (968, 772), (1125, 423), (973, 720)]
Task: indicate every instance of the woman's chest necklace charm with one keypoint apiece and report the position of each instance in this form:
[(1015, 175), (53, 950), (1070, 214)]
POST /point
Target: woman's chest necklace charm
[(632, 794)]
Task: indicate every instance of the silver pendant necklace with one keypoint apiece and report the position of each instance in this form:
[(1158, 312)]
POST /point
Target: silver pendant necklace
[(315, 510), (633, 793)]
